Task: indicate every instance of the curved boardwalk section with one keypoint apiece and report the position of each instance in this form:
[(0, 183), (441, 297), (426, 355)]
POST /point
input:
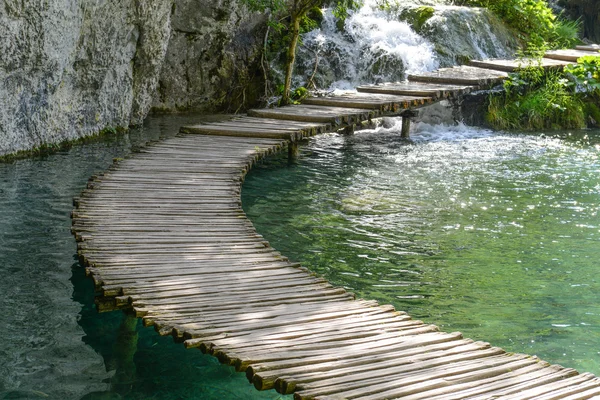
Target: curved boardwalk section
[(163, 233)]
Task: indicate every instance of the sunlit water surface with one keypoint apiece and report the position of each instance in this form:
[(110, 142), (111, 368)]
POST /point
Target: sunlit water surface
[(53, 344), (494, 235)]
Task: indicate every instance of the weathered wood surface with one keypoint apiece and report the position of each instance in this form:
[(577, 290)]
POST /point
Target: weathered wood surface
[(338, 116), (461, 75), (567, 55), (420, 89), (163, 232), (514, 65), (589, 47), (384, 103)]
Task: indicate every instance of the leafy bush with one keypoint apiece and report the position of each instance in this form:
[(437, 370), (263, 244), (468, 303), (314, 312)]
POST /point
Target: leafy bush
[(536, 99), (586, 73)]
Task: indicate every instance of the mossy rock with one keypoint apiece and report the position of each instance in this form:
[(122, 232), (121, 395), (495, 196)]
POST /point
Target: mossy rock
[(418, 16), (316, 14), (592, 113)]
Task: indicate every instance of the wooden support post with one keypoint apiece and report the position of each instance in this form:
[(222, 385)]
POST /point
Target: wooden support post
[(293, 151), (406, 116), (349, 130), (124, 351), (405, 127)]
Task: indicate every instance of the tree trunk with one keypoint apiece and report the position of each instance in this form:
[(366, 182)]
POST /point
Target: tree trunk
[(291, 58)]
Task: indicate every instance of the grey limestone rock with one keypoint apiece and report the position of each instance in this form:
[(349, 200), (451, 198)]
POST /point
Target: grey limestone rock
[(71, 69), (212, 59)]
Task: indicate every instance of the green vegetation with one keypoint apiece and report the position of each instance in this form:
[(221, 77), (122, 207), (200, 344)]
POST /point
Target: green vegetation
[(417, 17), (49, 148), (535, 99), (586, 73), (534, 22), (291, 18)]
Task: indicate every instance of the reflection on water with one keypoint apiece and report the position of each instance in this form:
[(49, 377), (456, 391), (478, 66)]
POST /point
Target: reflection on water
[(53, 343), (491, 234)]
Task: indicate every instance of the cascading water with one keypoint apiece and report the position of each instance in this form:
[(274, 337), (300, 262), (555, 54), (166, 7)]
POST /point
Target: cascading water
[(372, 47), (382, 45)]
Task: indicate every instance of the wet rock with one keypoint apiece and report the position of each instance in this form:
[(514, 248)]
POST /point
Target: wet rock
[(71, 69)]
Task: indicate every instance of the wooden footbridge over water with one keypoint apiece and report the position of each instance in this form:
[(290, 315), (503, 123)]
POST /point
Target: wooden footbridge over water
[(163, 233)]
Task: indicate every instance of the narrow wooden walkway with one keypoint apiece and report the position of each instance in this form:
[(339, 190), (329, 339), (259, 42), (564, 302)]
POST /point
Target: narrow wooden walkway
[(163, 233)]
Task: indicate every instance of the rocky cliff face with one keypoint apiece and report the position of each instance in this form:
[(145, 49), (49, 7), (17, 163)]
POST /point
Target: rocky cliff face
[(71, 69), (213, 57)]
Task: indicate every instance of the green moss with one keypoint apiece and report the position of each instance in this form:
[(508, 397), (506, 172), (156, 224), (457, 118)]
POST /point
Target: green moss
[(314, 19), (462, 59), (592, 112), (417, 17), (51, 148)]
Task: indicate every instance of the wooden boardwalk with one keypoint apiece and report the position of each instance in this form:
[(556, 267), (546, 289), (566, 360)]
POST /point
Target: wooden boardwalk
[(163, 233)]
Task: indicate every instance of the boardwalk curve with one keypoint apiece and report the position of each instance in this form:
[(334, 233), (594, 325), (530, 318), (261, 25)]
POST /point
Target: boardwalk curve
[(163, 232)]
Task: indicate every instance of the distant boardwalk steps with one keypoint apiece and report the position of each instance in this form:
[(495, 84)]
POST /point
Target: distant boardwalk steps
[(163, 233)]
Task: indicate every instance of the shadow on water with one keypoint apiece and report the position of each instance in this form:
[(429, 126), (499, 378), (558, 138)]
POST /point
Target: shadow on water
[(54, 345)]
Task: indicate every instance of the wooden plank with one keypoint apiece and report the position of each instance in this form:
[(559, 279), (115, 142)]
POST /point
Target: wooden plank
[(319, 127), (239, 132), (514, 65), (423, 381), (566, 55), (552, 376), (473, 380), (462, 75), (575, 389), (334, 115), (422, 92), (287, 379), (355, 378), (595, 48)]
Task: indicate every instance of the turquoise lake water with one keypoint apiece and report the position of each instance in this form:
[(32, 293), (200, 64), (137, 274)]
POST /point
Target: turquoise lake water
[(54, 345), (490, 234)]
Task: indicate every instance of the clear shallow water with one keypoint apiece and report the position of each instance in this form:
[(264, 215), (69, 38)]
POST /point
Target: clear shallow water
[(490, 234), (53, 344)]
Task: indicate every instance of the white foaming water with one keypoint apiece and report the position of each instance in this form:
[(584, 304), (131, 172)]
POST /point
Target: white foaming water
[(373, 47), (423, 132)]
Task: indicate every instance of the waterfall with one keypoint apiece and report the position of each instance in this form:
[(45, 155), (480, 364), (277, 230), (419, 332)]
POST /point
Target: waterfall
[(373, 46), (376, 45)]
